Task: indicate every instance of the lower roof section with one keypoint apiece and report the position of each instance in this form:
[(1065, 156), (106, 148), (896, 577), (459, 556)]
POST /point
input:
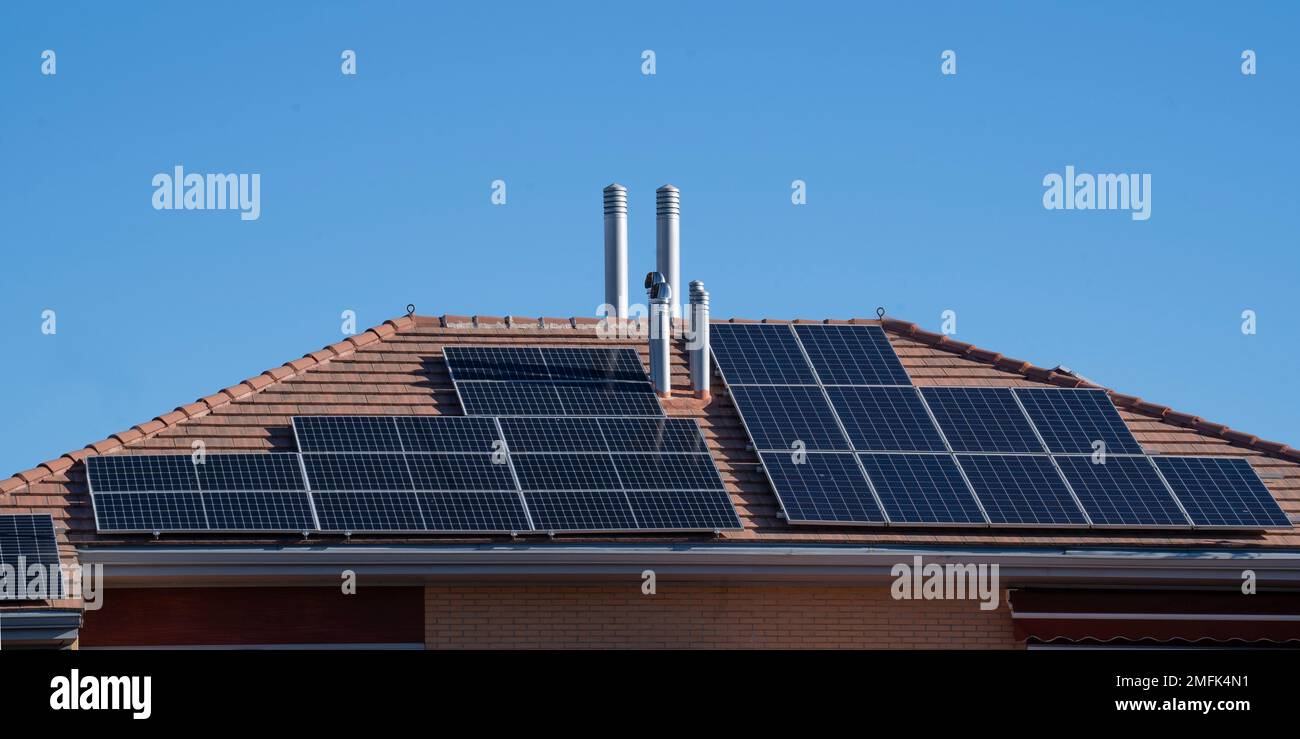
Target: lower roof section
[(218, 566)]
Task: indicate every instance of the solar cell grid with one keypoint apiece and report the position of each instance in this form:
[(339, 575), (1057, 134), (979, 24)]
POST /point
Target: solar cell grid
[(566, 472), (346, 434), (825, 487), (247, 472), (495, 363), (652, 435), (1220, 492), (143, 511), (778, 416), (459, 472), (981, 419), (446, 433), (357, 472), (922, 489), (759, 354), (667, 472), (1021, 490), (608, 399), (580, 510), (593, 363), (885, 419), (509, 399), (26, 540), (563, 434), (1071, 420), (1121, 491), (474, 510), (258, 511), (851, 355), (374, 510), (683, 510), (141, 472)]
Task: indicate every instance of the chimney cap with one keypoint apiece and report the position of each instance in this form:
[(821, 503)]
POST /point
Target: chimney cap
[(615, 186), (668, 188), (654, 278)]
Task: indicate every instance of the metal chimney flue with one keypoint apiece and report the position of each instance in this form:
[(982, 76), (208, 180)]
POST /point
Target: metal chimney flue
[(698, 341), (616, 250), (661, 297), (668, 236)]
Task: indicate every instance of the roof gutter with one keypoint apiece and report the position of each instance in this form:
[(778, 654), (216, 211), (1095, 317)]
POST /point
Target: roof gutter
[(196, 566)]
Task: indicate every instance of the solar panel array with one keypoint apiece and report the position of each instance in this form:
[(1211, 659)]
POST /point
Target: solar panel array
[(443, 474), (551, 381), (27, 540), (845, 438)]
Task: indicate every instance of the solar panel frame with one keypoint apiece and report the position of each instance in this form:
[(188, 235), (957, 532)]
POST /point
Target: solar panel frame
[(503, 399), (666, 472), (526, 434), (730, 343), (477, 362), (32, 537), (447, 434), (126, 513), (964, 416), (832, 348), (589, 511), (1096, 486), (126, 473), (903, 505), (1069, 420), (1196, 507), (909, 423), (850, 480), (345, 434), (775, 417), (262, 511), (653, 435), (981, 471)]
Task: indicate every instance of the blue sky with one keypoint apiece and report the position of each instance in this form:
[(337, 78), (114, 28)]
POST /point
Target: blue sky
[(924, 191)]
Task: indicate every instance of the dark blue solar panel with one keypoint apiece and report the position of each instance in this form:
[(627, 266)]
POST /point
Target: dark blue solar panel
[(851, 355), (509, 399), (922, 489), (1122, 491), (181, 511), (346, 434), (1222, 492), (608, 399), (446, 433), (759, 354), (460, 472), (824, 488), (26, 540), (554, 434), (357, 472), (778, 416), (258, 511), (580, 510), (1071, 420), (1021, 490), (683, 510), (593, 363), (141, 473), (652, 435), (495, 363), (885, 419), (247, 472), (474, 510), (667, 472), (375, 510), (981, 419), (565, 472)]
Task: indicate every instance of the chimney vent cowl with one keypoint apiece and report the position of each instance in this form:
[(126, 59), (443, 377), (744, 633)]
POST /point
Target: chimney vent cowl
[(698, 341), (616, 250), (661, 297), (668, 248)]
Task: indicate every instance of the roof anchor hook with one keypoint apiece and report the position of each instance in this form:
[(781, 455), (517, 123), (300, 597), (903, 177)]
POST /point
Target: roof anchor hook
[(880, 312), (410, 309)]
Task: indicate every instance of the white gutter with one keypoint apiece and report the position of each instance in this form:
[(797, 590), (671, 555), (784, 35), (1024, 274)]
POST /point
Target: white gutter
[(190, 565)]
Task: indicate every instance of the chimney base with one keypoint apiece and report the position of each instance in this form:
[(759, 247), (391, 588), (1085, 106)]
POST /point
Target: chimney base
[(703, 395)]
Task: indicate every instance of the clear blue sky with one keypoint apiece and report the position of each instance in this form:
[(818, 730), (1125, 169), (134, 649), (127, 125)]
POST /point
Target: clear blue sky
[(924, 191)]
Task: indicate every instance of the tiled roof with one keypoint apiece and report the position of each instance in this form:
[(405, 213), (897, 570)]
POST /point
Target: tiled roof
[(397, 368)]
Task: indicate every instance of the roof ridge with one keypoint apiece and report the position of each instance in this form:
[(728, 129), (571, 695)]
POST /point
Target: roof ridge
[(205, 405), (1128, 402)]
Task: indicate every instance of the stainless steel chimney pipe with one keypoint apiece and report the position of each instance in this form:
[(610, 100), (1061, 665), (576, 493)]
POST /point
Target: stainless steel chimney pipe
[(668, 236), (616, 250)]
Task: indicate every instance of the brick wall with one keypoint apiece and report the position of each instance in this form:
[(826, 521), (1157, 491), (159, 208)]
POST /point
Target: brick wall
[(686, 616)]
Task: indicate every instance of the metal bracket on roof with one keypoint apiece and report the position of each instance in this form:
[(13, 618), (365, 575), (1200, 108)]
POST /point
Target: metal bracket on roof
[(880, 312), (410, 309)]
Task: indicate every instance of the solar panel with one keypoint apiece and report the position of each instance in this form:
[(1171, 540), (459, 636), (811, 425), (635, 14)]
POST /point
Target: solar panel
[(509, 399), (922, 489), (380, 510), (141, 472), (981, 419), (885, 419), (759, 354), (590, 363), (553, 434), (459, 472), (683, 510), (1021, 490), (258, 511), (248, 472), (1071, 420), (667, 472), (27, 540), (1222, 492), (346, 434), (357, 472), (495, 363), (580, 510), (1122, 491), (778, 416), (447, 433), (851, 355), (147, 512), (652, 435), (608, 399), (474, 510), (566, 472), (824, 488)]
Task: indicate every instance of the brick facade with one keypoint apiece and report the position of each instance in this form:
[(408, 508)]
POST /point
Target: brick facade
[(705, 616)]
